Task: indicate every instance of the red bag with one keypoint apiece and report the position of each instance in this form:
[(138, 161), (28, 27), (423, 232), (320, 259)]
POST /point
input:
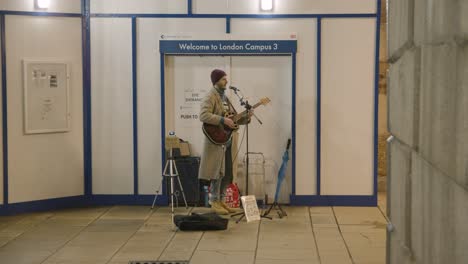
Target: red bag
[(232, 196)]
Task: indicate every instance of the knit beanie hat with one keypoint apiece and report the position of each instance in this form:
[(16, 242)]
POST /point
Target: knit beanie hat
[(216, 75)]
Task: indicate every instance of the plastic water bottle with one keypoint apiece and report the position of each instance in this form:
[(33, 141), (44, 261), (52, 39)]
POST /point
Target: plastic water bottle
[(205, 189)]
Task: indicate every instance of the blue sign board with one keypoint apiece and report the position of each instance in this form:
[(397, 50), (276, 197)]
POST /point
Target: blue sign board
[(227, 46)]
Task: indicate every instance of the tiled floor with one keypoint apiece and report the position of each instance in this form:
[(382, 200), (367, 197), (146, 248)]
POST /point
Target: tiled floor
[(122, 233)]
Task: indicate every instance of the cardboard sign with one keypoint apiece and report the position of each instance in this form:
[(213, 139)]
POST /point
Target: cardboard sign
[(172, 142), (249, 203)]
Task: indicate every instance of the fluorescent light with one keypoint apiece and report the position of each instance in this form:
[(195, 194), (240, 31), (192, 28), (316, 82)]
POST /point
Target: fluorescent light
[(42, 4), (266, 5)]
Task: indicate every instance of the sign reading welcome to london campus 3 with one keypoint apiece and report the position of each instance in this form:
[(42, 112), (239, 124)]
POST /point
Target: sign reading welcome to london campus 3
[(227, 46)]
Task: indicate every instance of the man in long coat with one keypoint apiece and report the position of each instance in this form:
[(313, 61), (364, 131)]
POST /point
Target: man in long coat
[(213, 161)]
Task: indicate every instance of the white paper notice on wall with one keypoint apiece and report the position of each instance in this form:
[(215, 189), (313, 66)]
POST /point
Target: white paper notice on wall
[(249, 203), (46, 96)]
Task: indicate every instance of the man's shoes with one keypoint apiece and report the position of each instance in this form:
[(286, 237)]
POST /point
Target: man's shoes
[(227, 208), (218, 208)]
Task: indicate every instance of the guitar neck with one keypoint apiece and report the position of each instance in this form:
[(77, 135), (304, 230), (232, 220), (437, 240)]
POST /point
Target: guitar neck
[(243, 113)]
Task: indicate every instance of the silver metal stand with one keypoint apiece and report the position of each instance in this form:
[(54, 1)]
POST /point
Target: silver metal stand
[(172, 173)]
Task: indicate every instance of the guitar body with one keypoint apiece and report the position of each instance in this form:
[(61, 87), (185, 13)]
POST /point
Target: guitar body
[(217, 134), (221, 134)]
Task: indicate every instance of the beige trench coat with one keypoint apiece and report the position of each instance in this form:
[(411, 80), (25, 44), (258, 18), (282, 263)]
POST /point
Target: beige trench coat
[(212, 160)]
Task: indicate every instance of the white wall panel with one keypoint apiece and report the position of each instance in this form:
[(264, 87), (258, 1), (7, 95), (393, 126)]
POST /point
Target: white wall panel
[(111, 97), (43, 166), (259, 77), (186, 75), (348, 65), (149, 92), (305, 90), (62, 6), (139, 6), (210, 6), (285, 6)]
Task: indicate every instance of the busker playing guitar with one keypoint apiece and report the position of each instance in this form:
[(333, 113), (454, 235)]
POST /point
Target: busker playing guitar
[(216, 161)]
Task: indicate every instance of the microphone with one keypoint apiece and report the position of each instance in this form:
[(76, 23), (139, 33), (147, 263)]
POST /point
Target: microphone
[(234, 88)]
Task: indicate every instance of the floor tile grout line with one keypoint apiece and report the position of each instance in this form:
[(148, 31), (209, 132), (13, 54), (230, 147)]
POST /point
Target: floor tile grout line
[(195, 249), (149, 216), (130, 237), (172, 237), (167, 244), (198, 243), (385, 216), (27, 229), (342, 237), (76, 235), (13, 222), (313, 234), (258, 239)]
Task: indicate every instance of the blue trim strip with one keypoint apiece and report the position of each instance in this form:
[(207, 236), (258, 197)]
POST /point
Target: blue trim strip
[(49, 14), (319, 105), (87, 143), (135, 106), (81, 201), (334, 200), (100, 200), (163, 119), (45, 205), (376, 98), (361, 15), (143, 15), (228, 25), (129, 200), (4, 111), (189, 7), (293, 125)]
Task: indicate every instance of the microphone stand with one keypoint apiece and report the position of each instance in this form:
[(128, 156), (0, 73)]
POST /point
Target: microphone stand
[(248, 108)]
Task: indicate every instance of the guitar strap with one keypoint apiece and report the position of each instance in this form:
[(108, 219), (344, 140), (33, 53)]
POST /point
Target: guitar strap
[(231, 106)]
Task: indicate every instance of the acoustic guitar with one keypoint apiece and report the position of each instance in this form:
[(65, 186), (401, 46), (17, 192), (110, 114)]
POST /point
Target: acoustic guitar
[(221, 134)]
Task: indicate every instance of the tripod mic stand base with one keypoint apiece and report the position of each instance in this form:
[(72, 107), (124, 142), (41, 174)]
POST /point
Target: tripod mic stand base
[(277, 207), (242, 214)]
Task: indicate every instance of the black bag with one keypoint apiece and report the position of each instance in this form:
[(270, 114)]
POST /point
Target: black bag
[(200, 222)]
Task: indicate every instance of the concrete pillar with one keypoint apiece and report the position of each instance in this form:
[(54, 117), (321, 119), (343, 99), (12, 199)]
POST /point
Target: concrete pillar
[(428, 118)]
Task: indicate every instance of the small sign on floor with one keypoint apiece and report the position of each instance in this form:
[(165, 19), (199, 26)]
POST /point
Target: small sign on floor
[(249, 203)]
